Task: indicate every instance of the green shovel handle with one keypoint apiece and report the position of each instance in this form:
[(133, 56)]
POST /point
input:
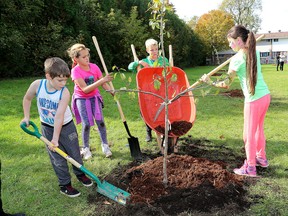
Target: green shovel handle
[(36, 133)]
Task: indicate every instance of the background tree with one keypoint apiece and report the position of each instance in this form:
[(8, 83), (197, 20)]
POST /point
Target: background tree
[(193, 22), (187, 47), (244, 12), (16, 22), (212, 29), (34, 30), (134, 32), (31, 31)]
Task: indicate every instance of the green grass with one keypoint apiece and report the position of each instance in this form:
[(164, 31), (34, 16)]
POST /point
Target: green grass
[(29, 184)]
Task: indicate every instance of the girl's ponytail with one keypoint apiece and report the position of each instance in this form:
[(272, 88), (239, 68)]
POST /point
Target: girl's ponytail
[(74, 63), (250, 49), (251, 63)]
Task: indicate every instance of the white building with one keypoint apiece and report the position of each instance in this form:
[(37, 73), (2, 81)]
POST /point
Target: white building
[(269, 47)]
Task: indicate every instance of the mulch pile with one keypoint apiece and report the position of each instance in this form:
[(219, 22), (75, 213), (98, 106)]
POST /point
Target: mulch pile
[(200, 182), (234, 93), (183, 171)]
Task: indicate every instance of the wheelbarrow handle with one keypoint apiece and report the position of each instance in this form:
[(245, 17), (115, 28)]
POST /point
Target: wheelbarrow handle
[(24, 127)]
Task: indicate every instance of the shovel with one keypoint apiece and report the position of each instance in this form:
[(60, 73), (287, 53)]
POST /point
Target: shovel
[(191, 87), (215, 70), (133, 141), (103, 188)]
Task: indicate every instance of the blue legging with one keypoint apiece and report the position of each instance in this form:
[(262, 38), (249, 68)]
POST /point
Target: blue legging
[(80, 103)]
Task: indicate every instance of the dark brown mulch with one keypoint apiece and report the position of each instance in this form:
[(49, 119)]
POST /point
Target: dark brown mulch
[(200, 182), (178, 128), (234, 93), (217, 74)]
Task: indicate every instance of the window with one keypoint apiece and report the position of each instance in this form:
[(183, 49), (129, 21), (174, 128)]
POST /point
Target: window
[(275, 40), (264, 54)]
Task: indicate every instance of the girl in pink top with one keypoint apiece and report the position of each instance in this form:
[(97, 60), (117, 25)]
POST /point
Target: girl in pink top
[(87, 102)]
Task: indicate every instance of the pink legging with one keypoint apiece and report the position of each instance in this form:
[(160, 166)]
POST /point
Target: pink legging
[(253, 133)]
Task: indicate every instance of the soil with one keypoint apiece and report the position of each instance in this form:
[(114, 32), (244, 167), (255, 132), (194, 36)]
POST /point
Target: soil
[(233, 93), (200, 182), (220, 73), (178, 128)]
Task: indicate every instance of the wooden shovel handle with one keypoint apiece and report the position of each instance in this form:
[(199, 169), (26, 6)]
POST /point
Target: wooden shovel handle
[(134, 53), (171, 62), (101, 58), (135, 56), (220, 66), (106, 71)]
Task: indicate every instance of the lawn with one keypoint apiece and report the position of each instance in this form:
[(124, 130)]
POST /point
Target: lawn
[(29, 184)]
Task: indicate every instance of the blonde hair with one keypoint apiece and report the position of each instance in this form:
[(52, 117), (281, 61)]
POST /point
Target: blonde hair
[(150, 42), (74, 52)]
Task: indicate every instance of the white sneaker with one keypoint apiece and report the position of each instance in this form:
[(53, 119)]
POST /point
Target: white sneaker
[(82, 150), (86, 153), (106, 150)]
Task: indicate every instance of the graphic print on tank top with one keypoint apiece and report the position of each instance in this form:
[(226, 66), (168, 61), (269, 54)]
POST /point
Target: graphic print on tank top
[(48, 110)]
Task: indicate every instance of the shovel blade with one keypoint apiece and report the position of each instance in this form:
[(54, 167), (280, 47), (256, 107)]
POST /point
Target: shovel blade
[(135, 148), (114, 193)]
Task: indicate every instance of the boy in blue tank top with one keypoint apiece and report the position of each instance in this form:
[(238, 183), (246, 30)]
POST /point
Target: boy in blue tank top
[(56, 121)]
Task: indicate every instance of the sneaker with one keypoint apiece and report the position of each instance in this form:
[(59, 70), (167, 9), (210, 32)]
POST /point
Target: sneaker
[(86, 153), (148, 138), (69, 191), (246, 170), (85, 180), (82, 150), (106, 150), (262, 162)]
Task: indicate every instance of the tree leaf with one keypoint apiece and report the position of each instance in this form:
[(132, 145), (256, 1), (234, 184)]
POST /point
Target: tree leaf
[(130, 80), (122, 75), (174, 78), (114, 67), (116, 96), (157, 84)]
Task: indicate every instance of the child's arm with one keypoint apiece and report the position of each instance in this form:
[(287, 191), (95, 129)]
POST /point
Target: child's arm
[(144, 64), (59, 116), (88, 88), (27, 99), (225, 83), (137, 65)]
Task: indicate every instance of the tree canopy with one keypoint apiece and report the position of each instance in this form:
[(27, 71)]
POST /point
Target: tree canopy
[(244, 12), (31, 31), (212, 29)]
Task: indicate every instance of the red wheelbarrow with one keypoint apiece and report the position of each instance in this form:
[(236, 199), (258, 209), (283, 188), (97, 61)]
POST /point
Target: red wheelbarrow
[(181, 112)]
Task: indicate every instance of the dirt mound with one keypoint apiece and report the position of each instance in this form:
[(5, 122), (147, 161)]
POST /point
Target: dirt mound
[(183, 172), (199, 182), (234, 93)]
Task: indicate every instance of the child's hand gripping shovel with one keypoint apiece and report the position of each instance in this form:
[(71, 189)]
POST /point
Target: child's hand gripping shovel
[(133, 141), (103, 188)]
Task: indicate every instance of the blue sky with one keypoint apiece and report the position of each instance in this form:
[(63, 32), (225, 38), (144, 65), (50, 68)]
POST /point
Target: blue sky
[(274, 13)]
